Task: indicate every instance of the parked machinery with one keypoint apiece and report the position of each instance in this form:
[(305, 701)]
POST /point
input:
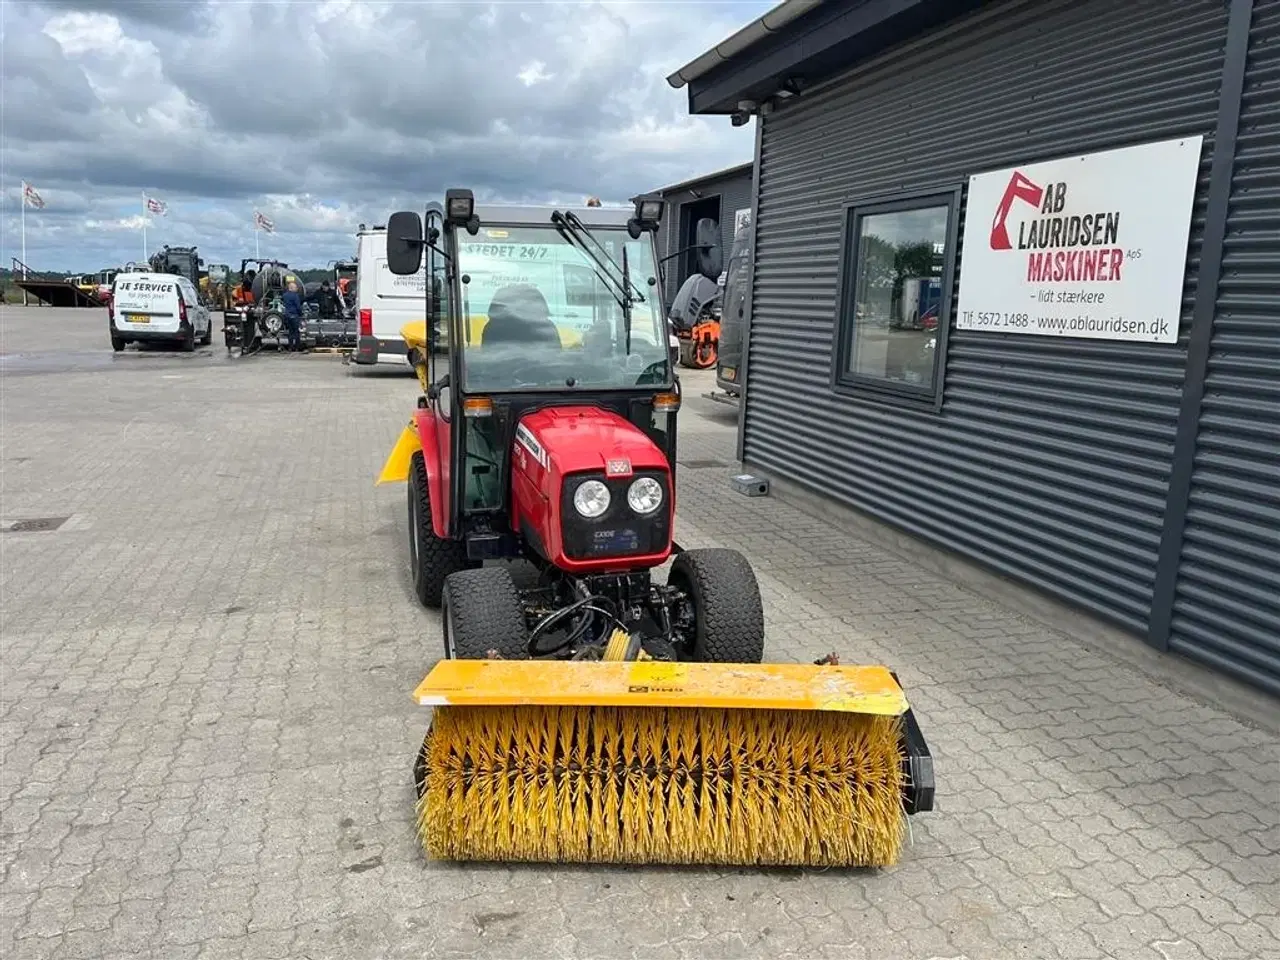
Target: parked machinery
[(183, 261), (215, 286), (329, 318), (344, 282), (255, 313), (98, 285), (695, 311)]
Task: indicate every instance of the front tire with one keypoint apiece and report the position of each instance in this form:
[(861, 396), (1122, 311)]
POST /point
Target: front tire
[(483, 612), (728, 614), (431, 559)]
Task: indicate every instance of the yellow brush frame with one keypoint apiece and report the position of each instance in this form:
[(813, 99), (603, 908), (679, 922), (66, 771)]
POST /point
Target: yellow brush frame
[(737, 686)]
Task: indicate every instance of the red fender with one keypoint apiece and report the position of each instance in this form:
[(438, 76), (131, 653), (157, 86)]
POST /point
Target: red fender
[(429, 436)]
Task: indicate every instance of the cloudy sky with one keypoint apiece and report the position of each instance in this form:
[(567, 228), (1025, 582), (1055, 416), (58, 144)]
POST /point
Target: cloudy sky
[(327, 114)]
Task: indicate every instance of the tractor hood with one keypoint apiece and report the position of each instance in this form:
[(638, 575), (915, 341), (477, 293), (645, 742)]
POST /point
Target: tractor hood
[(556, 451), (579, 438)]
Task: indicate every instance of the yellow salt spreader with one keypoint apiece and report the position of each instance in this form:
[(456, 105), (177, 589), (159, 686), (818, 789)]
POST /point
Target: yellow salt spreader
[(598, 713)]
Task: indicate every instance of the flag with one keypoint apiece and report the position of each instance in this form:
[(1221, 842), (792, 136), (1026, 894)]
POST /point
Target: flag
[(158, 207), (262, 223), (31, 197)]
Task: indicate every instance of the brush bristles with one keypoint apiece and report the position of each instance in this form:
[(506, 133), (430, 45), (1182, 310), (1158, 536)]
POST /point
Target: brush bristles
[(662, 785)]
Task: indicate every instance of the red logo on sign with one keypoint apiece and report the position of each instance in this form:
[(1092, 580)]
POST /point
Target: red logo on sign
[(1019, 188)]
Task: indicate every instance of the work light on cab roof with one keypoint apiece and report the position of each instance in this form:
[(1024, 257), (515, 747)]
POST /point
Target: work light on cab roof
[(602, 713)]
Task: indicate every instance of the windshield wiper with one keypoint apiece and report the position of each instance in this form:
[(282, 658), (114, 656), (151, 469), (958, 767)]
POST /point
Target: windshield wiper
[(574, 236), (615, 291), (572, 219), (573, 229)]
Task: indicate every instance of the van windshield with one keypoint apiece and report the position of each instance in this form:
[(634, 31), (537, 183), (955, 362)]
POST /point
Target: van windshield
[(538, 313)]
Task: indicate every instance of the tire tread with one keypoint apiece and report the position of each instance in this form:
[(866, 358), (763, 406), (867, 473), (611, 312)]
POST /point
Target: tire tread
[(726, 595), (488, 614), (437, 558)]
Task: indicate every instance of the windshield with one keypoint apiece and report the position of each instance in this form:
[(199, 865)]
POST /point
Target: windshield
[(540, 313)]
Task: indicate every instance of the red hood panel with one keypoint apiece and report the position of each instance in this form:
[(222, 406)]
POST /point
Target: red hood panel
[(585, 438)]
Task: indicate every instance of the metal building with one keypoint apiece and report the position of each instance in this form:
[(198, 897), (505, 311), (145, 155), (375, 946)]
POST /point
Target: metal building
[(719, 195), (1136, 476)]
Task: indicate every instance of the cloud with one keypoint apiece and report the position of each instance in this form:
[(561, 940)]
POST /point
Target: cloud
[(327, 114)]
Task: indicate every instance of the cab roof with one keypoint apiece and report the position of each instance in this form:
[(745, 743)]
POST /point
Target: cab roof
[(516, 214)]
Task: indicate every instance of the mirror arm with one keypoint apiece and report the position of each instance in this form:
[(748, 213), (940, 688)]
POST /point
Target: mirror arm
[(694, 246), (433, 391)]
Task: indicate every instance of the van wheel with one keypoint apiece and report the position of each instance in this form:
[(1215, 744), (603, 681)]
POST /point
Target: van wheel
[(207, 339), (117, 343), (189, 340)]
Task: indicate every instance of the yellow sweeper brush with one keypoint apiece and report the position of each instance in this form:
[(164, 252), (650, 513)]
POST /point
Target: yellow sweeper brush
[(661, 762)]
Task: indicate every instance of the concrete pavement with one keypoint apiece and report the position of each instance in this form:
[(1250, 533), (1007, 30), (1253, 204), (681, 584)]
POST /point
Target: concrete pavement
[(206, 732)]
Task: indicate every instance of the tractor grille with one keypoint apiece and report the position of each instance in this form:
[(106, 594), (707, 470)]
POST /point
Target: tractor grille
[(619, 531)]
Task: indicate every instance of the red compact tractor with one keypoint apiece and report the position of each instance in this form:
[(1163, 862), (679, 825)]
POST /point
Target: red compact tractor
[(547, 432), (592, 713)]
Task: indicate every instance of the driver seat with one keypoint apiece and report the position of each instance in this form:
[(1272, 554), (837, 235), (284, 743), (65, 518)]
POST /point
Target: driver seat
[(518, 314)]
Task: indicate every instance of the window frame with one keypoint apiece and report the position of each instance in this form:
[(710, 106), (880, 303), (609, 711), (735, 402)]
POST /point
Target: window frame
[(867, 387)]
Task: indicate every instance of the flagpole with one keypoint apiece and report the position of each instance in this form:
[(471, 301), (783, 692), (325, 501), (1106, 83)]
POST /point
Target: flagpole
[(257, 252), (144, 226), (23, 201)]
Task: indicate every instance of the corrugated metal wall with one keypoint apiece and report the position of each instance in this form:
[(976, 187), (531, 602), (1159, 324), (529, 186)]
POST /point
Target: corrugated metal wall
[(1227, 606), (734, 193), (1050, 458)]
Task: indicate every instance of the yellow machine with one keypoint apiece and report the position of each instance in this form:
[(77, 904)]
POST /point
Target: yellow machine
[(653, 762), (601, 715)]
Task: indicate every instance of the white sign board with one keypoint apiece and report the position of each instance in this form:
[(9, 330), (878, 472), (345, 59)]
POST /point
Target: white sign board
[(1092, 246)]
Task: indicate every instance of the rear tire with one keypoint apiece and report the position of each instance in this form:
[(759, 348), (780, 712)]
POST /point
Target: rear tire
[(431, 559), (207, 339), (727, 609), (483, 612), (189, 340), (118, 343)]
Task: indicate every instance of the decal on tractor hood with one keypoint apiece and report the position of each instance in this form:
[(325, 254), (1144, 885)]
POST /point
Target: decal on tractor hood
[(526, 439)]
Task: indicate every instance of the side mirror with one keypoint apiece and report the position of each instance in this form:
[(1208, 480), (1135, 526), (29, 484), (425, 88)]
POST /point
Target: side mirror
[(709, 253), (404, 243)]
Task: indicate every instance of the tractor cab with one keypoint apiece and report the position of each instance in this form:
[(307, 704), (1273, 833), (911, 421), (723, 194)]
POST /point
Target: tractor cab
[(179, 261)]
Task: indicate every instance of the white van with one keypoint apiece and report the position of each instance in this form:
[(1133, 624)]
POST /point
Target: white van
[(157, 307), (384, 301)]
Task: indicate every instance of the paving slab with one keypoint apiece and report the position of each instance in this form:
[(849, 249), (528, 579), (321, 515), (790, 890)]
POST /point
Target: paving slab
[(206, 731)]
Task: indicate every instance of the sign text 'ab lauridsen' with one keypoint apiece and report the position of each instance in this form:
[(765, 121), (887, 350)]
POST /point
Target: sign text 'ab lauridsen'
[(1092, 246)]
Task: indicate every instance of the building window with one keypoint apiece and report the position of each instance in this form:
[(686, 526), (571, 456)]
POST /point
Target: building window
[(895, 297)]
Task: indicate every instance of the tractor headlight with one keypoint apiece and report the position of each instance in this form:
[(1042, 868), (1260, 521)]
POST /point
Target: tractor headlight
[(591, 498), (644, 495)]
